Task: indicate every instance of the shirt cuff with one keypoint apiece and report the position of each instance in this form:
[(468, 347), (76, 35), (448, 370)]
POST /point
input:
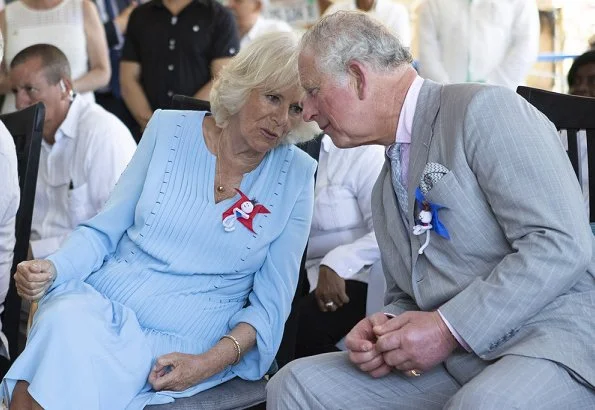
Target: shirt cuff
[(340, 264), (455, 333)]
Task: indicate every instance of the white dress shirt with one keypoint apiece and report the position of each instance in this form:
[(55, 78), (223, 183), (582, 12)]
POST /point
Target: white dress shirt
[(77, 173), (9, 204), (342, 235), (393, 15), (492, 41), (262, 26)]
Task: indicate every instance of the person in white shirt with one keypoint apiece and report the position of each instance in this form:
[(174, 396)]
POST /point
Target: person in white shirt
[(341, 247), (251, 23), (84, 148), (9, 204), (491, 41), (393, 15)]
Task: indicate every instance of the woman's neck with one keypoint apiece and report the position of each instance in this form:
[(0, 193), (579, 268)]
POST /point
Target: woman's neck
[(233, 154)]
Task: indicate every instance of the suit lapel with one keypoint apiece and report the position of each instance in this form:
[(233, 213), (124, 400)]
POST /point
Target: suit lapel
[(426, 110)]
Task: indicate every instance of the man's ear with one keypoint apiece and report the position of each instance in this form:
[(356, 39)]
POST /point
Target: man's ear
[(66, 88), (358, 77)]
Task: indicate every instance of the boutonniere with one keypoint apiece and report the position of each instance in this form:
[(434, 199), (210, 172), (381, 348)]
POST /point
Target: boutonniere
[(243, 210), (428, 220)]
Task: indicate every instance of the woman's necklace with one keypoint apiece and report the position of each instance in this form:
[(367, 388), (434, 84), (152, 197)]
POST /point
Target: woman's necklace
[(220, 187)]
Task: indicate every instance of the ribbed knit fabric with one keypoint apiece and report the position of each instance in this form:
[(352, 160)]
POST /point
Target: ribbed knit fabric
[(173, 280)]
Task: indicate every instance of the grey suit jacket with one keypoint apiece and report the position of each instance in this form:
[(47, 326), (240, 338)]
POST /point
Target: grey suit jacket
[(517, 275)]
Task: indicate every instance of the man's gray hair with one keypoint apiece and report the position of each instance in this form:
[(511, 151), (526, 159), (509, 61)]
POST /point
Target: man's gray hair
[(268, 64), (347, 36)]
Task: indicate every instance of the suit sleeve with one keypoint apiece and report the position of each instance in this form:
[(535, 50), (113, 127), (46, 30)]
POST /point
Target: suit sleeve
[(524, 173), (274, 286), (92, 241)]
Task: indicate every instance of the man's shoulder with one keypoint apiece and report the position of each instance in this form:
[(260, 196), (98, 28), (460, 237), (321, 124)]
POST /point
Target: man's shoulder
[(96, 122), (471, 94)]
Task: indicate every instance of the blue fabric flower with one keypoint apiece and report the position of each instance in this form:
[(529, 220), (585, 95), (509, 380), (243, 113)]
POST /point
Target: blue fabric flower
[(437, 226)]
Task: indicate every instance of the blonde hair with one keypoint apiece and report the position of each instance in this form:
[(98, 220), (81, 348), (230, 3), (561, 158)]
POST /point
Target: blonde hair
[(269, 64)]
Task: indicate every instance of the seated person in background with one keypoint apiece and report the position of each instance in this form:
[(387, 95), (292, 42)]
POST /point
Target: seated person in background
[(581, 76), (162, 295), (341, 247), (9, 204), (251, 23), (390, 13), (83, 152)]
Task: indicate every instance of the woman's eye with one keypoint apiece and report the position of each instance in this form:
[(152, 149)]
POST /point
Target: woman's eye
[(273, 98), (295, 109)]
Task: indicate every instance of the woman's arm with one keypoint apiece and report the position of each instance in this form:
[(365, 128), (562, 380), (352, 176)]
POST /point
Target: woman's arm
[(275, 283), (87, 246), (99, 65), (5, 86), (179, 371), (133, 93)]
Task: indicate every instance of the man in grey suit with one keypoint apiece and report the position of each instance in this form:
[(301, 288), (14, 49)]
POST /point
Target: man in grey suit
[(485, 242)]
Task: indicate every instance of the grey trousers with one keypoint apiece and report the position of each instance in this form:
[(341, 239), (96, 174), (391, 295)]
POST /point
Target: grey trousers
[(330, 381)]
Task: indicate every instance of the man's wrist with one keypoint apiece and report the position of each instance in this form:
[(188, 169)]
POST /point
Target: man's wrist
[(452, 332)]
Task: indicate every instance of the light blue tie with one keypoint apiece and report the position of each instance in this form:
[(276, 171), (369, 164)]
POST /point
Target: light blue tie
[(394, 153)]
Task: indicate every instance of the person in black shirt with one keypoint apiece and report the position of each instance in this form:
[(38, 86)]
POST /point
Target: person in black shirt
[(174, 47)]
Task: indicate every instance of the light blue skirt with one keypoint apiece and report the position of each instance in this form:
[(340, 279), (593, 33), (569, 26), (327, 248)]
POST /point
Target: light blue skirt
[(85, 351)]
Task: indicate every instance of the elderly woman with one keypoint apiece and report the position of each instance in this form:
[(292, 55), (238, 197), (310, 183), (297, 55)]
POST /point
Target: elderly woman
[(185, 279)]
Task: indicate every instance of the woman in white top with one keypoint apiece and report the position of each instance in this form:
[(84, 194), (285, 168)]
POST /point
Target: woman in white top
[(73, 26)]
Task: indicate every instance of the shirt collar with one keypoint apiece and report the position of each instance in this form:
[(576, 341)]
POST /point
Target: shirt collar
[(326, 143), (69, 127), (405, 124)]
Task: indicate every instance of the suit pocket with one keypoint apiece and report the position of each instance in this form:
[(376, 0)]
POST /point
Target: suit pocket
[(476, 241)]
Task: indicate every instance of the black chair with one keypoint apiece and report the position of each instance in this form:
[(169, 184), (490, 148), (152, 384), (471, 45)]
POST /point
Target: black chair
[(571, 115), (182, 102), (26, 127)]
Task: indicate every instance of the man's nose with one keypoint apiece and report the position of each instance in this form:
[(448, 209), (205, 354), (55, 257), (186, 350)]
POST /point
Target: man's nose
[(308, 110)]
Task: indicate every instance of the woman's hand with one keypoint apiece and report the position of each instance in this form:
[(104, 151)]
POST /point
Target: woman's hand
[(33, 278), (179, 371), (330, 290)]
